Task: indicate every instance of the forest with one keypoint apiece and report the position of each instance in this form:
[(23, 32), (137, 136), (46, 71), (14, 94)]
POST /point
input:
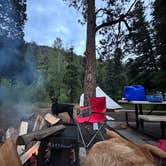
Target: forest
[(33, 73)]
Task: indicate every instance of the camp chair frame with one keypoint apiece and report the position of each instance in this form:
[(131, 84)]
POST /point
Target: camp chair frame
[(98, 109)]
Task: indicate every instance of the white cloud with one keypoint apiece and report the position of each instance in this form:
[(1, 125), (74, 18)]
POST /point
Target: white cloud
[(62, 29), (50, 19), (80, 47)]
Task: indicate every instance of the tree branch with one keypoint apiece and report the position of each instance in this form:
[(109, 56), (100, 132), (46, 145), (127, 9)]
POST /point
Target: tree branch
[(121, 18), (108, 23), (101, 9), (130, 7), (127, 25), (104, 10)]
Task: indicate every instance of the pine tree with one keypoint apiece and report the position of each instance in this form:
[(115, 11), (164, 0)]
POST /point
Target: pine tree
[(12, 45), (142, 67), (104, 19), (71, 78), (160, 26), (116, 75)]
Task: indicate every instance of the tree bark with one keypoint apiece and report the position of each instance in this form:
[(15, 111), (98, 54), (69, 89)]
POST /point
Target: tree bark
[(90, 67)]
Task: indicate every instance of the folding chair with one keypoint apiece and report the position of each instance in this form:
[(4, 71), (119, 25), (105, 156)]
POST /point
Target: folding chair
[(98, 109)]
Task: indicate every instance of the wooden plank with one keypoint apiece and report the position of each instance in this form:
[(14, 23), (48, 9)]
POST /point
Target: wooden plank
[(29, 153), (65, 117), (123, 110), (130, 134), (51, 119), (154, 118), (23, 130), (39, 135), (39, 123), (8, 154)]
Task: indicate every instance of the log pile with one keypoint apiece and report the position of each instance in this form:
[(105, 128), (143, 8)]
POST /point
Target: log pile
[(27, 142)]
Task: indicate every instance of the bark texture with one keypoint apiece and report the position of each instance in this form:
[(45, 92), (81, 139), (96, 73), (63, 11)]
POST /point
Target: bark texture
[(90, 67)]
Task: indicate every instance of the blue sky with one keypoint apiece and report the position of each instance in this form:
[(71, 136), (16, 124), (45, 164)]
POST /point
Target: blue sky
[(48, 19)]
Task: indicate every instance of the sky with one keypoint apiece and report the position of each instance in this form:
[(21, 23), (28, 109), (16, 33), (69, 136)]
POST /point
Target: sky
[(48, 19)]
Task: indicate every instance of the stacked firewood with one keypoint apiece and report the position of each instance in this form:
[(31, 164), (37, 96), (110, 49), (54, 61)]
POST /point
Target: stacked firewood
[(26, 144)]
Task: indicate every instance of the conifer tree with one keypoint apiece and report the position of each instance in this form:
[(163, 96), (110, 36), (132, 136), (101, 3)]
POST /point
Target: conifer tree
[(12, 45), (141, 68), (99, 19), (71, 78), (160, 26)]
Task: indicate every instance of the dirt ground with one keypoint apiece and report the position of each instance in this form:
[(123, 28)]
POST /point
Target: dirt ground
[(12, 118)]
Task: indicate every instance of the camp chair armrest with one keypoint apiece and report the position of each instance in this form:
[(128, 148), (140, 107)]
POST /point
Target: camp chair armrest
[(84, 108)]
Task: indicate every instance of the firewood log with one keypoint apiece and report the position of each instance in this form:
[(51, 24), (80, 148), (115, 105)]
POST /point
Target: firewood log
[(23, 130), (29, 153), (38, 135)]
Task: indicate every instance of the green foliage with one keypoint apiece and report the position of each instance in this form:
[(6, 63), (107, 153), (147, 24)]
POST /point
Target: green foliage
[(54, 71), (71, 78), (160, 40), (142, 68), (112, 77), (12, 46), (62, 73)]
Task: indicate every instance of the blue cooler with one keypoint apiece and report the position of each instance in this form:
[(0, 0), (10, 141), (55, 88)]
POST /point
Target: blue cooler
[(135, 92)]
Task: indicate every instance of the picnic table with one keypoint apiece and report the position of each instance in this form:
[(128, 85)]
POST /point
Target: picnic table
[(138, 109)]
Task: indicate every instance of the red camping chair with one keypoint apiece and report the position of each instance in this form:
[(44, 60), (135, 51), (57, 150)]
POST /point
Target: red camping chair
[(98, 109)]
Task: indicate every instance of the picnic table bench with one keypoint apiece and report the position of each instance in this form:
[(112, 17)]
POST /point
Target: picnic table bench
[(148, 112), (139, 111), (155, 118)]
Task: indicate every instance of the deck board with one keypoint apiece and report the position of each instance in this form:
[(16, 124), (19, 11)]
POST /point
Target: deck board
[(131, 134)]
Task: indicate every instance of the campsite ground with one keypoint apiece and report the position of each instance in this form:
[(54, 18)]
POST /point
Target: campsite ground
[(12, 118)]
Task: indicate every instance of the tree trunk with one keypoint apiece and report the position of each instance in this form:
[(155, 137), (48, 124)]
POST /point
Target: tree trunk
[(90, 68)]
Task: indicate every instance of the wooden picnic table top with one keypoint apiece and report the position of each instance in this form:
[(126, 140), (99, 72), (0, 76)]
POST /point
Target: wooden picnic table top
[(141, 102)]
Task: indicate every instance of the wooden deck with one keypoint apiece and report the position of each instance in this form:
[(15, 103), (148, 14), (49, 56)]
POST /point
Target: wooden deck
[(131, 134)]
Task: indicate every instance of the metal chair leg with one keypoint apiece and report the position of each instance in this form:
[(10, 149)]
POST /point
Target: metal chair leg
[(79, 129), (99, 130), (101, 135), (82, 137)]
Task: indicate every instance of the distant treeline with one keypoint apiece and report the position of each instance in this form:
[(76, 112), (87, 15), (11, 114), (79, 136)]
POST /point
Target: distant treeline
[(29, 72)]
